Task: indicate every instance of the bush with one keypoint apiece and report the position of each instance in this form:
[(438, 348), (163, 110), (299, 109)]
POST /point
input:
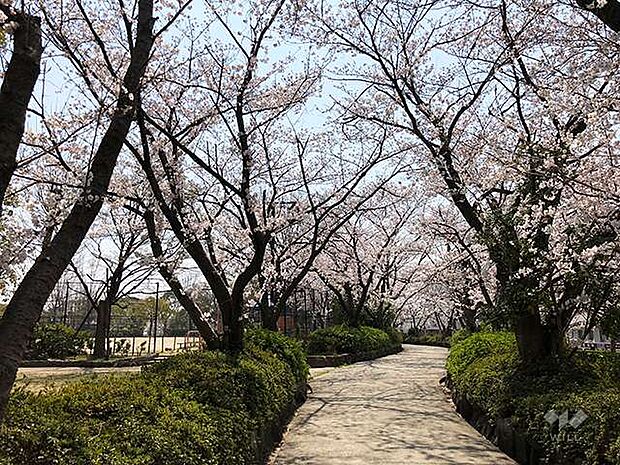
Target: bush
[(121, 420), (487, 370), (56, 341), (341, 339), (428, 340), (459, 336), (195, 408), (477, 346), (395, 335), (286, 349)]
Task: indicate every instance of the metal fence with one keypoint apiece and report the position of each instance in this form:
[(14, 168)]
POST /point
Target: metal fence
[(150, 327), (306, 310), (156, 324)]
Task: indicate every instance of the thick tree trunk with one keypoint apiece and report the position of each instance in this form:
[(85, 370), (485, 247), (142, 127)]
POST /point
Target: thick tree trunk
[(269, 322), (530, 338), (16, 91), (24, 309), (608, 11), (468, 319), (233, 331), (104, 315), (536, 340)]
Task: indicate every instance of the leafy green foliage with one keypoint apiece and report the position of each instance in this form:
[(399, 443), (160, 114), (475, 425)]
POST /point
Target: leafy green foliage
[(132, 315), (477, 346), (344, 340), (286, 349), (459, 336), (395, 335), (55, 340), (486, 368), (202, 408), (428, 340)]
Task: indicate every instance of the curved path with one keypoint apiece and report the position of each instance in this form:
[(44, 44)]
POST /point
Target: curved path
[(390, 411)]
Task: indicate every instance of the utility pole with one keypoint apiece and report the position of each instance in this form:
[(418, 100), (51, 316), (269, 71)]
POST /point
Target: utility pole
[(156, 314)]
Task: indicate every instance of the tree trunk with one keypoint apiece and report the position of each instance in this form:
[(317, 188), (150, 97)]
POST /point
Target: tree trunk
[(537, 341), (24, 308), (236, 328), (104, 315), (16, 91), (232, 339), (268, 314), (608, 11), (530, 338), (468, 319), (202, 325)]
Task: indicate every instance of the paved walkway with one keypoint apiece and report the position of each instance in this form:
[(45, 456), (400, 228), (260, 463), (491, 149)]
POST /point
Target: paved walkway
[(389, 411)]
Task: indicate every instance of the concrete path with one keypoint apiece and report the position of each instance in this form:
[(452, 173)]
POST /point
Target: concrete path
[(389, 411)]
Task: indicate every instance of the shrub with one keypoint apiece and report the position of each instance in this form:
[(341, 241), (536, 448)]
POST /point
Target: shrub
[(286, 349), (342, 340), (606, 365), (428, 340), (459, 336), (204, 408), (121, 420), (477, 346), (395, 335), (487, 370), (55, 340)]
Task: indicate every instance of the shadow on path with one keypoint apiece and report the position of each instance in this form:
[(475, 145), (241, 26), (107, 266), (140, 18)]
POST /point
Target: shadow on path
[(388, 411)]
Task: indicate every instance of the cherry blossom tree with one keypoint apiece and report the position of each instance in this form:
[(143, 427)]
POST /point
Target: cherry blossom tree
[(26, 304), (370, 264), (607, 11), (113, 265), (512, 119), (332, 191)]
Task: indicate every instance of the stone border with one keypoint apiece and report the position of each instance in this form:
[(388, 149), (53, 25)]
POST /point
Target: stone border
[(498, 430), (122, 362), (324, 361)]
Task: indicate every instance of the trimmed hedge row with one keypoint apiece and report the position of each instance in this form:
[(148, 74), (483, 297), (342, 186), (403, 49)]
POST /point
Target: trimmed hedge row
[(195, 408), (486, 369), (428, 340), (342, 339)]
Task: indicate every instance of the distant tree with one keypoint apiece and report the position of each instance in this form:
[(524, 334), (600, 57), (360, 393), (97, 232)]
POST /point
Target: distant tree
[(131, 316), (113, 266)]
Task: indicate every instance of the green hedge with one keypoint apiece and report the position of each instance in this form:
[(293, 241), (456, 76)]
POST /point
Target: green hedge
[(342, 339), (428, 340), (56, 341), (486, 369), (202, 408)]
